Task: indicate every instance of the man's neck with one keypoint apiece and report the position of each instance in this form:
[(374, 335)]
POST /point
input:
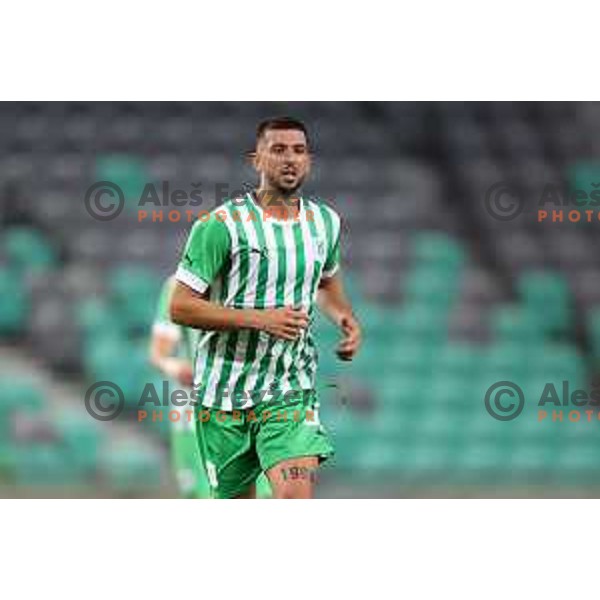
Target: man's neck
[(281, 205)]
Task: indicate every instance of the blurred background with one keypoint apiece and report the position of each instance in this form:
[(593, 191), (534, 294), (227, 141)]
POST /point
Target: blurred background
[(456, 289)]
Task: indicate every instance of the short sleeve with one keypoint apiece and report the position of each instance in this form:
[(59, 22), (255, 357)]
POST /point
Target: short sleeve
[(206, 251), (333, 228), (162, 319)]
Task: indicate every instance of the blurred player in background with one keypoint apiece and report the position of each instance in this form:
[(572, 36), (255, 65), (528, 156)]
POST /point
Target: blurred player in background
[(250, 277), (171, 352)]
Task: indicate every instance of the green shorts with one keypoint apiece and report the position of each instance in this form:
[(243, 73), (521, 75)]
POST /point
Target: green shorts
[(188, 466), (238, 446)]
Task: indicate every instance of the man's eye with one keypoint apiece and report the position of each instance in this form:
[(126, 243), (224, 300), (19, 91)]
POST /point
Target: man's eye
[(278, 150)]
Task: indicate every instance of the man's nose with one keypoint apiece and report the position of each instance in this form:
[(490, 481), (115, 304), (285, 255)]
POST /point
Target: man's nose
[(289, 156)]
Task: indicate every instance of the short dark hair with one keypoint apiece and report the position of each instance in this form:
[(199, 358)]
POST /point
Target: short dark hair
[(280, 123)]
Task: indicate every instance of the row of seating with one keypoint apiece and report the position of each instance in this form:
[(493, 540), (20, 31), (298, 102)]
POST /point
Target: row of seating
[(40, 446)]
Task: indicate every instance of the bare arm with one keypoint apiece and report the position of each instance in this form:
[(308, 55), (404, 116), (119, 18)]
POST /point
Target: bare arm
[(162, 348), (192, 309), (332, 301)]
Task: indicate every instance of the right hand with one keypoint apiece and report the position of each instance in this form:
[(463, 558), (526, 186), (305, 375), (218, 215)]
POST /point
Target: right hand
[(185, 374), (285, 323)]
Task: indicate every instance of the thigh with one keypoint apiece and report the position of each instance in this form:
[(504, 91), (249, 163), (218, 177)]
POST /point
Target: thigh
[(294, 478), (228, 454), (292, 438)]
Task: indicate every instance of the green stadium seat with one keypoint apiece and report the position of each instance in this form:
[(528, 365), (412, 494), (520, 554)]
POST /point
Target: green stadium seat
[(516, 323), (127, 171), (128, 466), (439, 427), (450, 392), (594, 328), (134, 291), (127, 366), (81, 436), (479, 425), (125, 281), (28, 250), (8, 460), (506, 360), (381, 456), (14, 302), (580, 461), (101, 353), (433, 285), (96, 318), (428, 462), (389, 424), (369, 365), (354, 291), (433, 247), (559, 360), (409, 359), (458, 358), (19, 394), (584, 176), (378, 326), (481, 460), (403, 393), (426, 321), (548, 294), (47, 464)]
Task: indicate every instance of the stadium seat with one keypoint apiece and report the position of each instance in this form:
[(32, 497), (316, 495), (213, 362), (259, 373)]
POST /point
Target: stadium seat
[(126, 171), (516, 324), (427, 321), (437, 249), (127, 466), (47, 464), (14, 301), (457, 358), (548, 295), (434, 286), (122, 363), (81, 436), (19, 394), (96, 319), (28, 250)]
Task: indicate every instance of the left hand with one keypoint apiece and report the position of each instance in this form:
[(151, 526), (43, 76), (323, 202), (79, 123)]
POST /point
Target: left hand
[(179, 369), (351, 341)]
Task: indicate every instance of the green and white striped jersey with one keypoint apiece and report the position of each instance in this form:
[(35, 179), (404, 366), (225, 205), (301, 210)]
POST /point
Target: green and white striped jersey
[(246, 258)]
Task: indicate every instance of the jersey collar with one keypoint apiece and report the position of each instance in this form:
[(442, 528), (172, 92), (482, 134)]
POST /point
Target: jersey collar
[(251, 196)]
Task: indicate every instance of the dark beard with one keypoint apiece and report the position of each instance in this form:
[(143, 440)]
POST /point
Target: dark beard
[(278, 196)]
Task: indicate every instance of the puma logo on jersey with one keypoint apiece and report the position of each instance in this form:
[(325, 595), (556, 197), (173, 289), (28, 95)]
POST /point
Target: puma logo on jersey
[(263, 251)]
